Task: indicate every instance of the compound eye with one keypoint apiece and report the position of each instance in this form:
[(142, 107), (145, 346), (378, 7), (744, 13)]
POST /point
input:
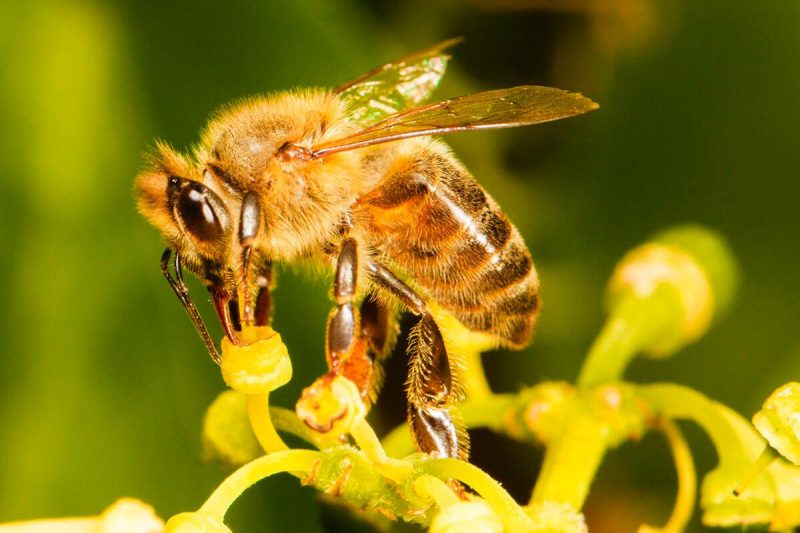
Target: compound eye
[(201, 212)]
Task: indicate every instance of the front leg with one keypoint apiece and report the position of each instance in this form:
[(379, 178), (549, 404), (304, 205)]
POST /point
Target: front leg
[(182, 292)]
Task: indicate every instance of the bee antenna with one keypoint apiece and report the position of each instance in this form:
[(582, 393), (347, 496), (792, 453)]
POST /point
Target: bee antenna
[(182, 292)]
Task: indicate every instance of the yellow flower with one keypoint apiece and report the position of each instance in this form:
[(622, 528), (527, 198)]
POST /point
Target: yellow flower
[(779, 421), (467, 517), (259, 367), (331, 406), (555, 517), (654, 265), (227, 434), (688, 263), (195, 523), (126, 515)]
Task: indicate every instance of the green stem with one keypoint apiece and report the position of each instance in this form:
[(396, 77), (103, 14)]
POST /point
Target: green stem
[(687, 481), (243, 478), (475, 383), (488, 411), (259, 413), (571, 462), (617, 344), (765, 459), (680, 402), (512, 515), (633, 326), (368, 441), (436, 489)]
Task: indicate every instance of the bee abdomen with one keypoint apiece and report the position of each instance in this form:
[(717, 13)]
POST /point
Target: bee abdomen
[(500, 297), (449, 236)]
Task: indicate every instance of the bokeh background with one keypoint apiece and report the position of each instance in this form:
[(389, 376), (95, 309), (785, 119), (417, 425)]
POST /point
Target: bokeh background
[(103, 382)]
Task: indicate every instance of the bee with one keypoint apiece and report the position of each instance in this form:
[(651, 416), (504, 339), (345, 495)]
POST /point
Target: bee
[(351, 178)]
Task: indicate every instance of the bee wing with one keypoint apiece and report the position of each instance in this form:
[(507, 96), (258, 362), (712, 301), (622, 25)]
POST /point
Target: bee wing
[(503, 108), (397, 85)]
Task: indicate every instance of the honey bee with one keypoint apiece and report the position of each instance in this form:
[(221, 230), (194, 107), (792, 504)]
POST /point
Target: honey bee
[(351, 178)]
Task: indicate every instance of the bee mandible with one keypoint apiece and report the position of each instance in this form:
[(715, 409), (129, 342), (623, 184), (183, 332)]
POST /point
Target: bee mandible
[(352, 179)]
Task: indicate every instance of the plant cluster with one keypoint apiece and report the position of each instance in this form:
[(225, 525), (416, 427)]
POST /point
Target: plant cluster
[(662, 295)]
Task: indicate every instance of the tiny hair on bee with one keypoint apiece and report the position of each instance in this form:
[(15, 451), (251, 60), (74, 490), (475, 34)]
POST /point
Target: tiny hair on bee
[(355, 181)]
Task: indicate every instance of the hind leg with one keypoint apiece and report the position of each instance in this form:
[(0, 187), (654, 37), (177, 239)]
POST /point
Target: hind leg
[(432, 386)]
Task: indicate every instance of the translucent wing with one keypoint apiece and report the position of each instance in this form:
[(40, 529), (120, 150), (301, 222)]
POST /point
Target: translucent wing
[(503, 108), (395, 86)]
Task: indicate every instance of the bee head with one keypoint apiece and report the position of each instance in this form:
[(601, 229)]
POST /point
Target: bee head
[(245, 199), (213, 231)]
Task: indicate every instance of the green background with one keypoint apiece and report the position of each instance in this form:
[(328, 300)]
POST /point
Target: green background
[(103, 382)]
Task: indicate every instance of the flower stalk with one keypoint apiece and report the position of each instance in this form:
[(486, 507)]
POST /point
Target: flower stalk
[(662, 296), (511, 514), (258, 412), (571, 461), (229, 491), (687, 481)]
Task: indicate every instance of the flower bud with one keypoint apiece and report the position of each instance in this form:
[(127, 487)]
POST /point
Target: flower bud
[(128, 515), (331, 406), (466, 517), (259, 367), (195, 523), (539, 412), (779, 421), (787, 491), (557, 517), (680, 280), (621, 412), (227, 434), (712, 254)]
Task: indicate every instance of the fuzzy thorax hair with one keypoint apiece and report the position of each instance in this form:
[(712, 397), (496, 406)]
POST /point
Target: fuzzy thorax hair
[(302, 202)]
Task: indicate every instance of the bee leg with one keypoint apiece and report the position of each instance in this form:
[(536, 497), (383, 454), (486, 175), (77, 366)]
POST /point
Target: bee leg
[(353, 334), (431, 388), (263, 301), (379, 329), (182, 292), (226, 306)]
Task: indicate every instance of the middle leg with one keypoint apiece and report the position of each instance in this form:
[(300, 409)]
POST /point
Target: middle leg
[(357, 337)]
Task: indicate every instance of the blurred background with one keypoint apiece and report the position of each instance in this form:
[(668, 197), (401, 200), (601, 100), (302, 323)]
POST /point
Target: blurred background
[(103, 382)]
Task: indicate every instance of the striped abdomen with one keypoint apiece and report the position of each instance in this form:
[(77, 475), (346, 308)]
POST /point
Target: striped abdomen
[(432, 220)]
